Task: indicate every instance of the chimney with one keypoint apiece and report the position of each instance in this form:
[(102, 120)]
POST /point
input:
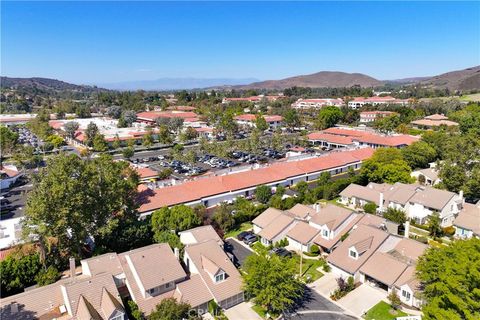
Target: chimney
[(13, 308), (380, 203), (317, 207), (407, 228), (72, 268), (176, 252), (461, 195)]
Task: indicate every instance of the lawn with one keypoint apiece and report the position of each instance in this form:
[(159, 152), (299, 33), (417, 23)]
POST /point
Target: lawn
[(243, 227), (383, 311), (262, 312), (309, 267), (471, 97)]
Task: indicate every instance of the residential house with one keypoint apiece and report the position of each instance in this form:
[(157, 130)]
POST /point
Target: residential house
[(212, 265), (361, 243), (81, 298), (430, 176), (199, 235), (418, 202), (399, 256), (467, 223), (332, 222)]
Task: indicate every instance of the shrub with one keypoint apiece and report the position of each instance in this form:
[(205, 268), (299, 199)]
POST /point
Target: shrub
[(47, 276), (370, 207), (449, 231), (394, 300), (314, 249), (326, 267)]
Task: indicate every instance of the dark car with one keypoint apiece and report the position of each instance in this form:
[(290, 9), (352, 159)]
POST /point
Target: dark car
[(282, 252), (251, 238), (243, 234), (227, 246)]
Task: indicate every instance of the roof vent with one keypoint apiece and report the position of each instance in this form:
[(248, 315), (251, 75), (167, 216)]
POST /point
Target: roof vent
[(63, 309)]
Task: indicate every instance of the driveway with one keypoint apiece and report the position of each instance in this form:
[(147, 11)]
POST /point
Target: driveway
[(318, 307), (362, 299), (239, 250), (242, 311), (325, 285)]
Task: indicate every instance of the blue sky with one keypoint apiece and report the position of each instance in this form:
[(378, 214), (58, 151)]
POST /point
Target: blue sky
[(98, 42)]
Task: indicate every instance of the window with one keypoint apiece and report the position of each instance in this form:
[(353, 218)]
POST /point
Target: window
[(167, 285), (353, 254), (325, 233), (219, 277), (119, 316), (406, 294)]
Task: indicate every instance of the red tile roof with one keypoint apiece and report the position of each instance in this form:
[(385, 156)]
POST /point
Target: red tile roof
[(197, 189), (153, 115), (347, 136), (252, 117), (146, 173), (330, 138)]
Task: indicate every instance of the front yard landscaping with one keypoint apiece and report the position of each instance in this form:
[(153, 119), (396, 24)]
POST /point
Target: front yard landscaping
[(383, 311), (309, 268), (243, 227)]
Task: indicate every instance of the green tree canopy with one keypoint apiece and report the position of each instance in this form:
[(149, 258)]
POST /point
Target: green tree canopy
[(263, 193), (328, 117), (271, 281), (8, 140), (450, 276), (177, 218), (386, 165), (261, 123), (169, 309), (419, 154), (73, 198)]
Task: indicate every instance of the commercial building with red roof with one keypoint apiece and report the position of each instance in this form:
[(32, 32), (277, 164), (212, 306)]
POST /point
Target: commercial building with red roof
[(359, 102), (150, 117), (335, 138), (248, 119), (211, 191), (371, 116), (317, 103), (251, 99)]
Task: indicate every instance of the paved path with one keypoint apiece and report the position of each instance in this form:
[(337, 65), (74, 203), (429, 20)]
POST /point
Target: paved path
[(240, 250), (362, 299), (318, 307), (242, 311)]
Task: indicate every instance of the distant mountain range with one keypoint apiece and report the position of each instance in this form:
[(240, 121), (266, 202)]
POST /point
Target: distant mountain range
[(42, 84), (332, 79), (466, 79), (175, 83)]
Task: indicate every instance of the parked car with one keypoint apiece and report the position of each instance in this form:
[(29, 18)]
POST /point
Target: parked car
[(250, 239), (243, 234), (281, 252)]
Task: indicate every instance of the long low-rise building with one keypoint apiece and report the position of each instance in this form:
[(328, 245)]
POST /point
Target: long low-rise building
[(317, 103), (359, 102), (335, 138), (211, 191)]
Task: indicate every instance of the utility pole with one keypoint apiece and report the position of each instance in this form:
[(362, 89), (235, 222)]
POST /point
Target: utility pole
[(301, 259)]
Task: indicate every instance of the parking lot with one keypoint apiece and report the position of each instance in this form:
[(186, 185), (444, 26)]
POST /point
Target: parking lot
[(160, 160), (13, 200), (26, 137)]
